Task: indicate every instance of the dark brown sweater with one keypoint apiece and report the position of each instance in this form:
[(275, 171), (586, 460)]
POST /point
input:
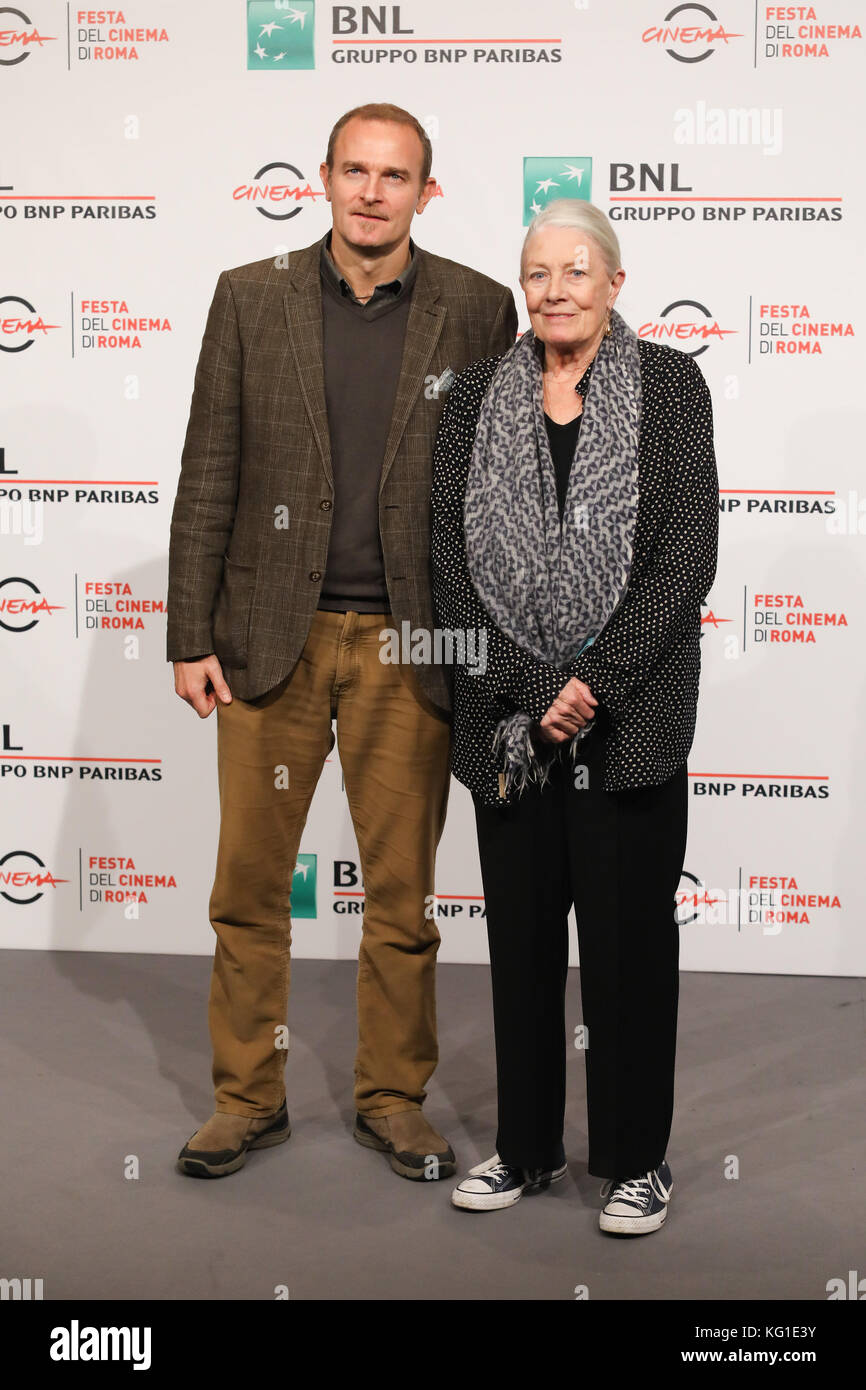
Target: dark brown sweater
[(363, 350)]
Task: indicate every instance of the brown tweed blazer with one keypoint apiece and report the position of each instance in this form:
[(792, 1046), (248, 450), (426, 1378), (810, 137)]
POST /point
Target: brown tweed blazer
[(252, 514)]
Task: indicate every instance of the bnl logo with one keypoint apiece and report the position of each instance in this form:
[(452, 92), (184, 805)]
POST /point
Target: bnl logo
[(304, 886), (546, 178), (280, 34)]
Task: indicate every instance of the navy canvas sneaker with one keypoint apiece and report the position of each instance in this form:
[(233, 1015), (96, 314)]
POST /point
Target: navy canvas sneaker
[(493, 1184), (637, 1205)]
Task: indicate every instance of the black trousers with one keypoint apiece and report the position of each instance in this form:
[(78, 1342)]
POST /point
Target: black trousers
[(618, 857)]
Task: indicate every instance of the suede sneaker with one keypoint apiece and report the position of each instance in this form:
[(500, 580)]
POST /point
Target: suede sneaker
[(415, 1149), (217, 1163)]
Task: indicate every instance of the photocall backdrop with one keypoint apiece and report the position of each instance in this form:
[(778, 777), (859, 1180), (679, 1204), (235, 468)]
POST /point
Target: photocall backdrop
[(146, 149)]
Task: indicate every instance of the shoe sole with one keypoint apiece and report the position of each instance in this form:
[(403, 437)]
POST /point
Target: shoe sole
[(480, 1201), (195, 1168), (633, 1225), (444, 1168)]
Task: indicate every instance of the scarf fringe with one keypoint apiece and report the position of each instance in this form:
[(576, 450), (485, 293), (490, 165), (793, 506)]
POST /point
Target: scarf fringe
[(522, 766)]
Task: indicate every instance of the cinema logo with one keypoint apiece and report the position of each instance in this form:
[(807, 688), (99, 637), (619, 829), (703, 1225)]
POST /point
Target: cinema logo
[(349, 897), (21, 324), (780, 900), (712, 621), (17, 763), (786, 619), (113, 606), (110, 878), (20, 37), (768, 901), (689, 33), (23, 605), (288, 194), (793, 31), (100, 36), (686, 324), (112, 36), (693, 899), (109, 324), (25, 878), (100, 605), (786, 329)]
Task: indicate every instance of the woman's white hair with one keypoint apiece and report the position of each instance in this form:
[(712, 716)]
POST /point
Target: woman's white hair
[(582, 217)]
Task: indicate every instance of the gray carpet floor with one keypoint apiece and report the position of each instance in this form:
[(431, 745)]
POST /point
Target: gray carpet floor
[(105, 1059)]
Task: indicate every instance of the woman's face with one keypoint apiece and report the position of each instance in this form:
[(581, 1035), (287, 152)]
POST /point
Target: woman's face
[(568, 289)]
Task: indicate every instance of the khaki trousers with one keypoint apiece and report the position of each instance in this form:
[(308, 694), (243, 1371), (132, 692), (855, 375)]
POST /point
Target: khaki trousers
[(394, 747)]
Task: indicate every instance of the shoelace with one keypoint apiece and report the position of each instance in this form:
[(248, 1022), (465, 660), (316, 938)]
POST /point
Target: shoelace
[(499, 1170), (634, 1189)]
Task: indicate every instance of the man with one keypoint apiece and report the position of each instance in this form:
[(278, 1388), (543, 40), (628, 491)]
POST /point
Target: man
[(300, 532)]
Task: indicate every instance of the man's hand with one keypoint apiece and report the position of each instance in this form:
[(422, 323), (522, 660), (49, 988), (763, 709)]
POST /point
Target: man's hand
[(573, 708), (191, 682)]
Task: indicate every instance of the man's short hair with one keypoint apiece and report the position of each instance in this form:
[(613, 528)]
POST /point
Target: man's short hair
[(384, 111)]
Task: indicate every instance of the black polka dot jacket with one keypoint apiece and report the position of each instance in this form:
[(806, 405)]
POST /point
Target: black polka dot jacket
[(644, 666)]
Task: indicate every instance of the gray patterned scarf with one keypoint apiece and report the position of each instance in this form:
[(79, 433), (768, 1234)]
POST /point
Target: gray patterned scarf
[(551, 588)]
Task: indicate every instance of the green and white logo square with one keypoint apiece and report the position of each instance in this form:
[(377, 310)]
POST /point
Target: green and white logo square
[(304, 886), (280, 34), (546, 178)]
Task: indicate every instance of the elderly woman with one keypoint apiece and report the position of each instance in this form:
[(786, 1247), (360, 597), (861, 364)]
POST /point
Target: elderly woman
[(575, 505)]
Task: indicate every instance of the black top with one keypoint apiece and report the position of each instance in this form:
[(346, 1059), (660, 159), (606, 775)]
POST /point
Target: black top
[(563, 438), (563, 442)]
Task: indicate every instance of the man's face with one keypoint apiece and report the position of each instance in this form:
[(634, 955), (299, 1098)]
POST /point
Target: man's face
[(374, 187)]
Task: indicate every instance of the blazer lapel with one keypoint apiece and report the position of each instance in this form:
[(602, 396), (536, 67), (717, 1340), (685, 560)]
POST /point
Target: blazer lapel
[(303, 308), (424, 325)]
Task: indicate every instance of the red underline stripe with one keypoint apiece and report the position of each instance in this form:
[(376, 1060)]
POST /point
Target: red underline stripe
[(154, 482), (81, 197), (384, 39), (445, 897), (130, 482), (70, 758), (716, 198), (778, 491)]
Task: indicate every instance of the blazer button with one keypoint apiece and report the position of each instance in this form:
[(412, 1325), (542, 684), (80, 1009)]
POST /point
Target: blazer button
[(315, 574), (325, 505)]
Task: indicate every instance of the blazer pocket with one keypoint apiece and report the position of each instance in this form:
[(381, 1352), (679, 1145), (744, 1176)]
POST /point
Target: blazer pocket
[(231, 621)]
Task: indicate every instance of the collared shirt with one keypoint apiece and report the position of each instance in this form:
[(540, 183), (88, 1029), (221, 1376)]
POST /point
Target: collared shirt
[(382, 294)]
